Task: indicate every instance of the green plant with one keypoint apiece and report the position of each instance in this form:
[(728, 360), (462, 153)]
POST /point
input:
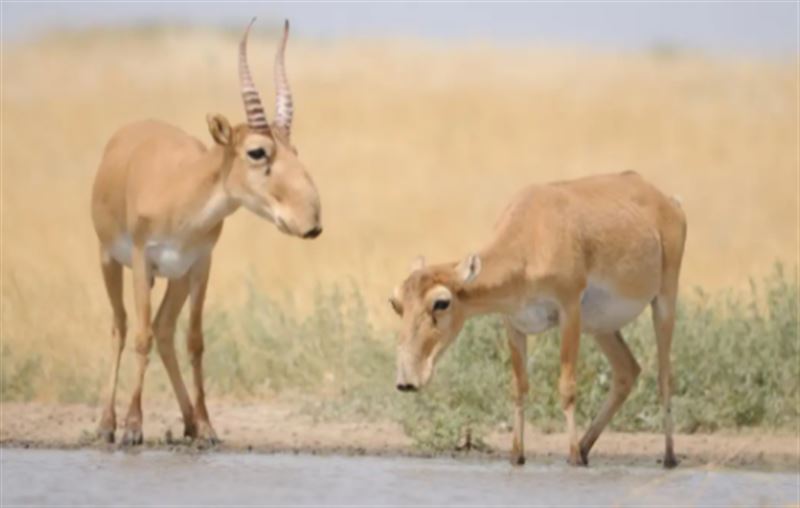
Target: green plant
[(735, 355), (19, 376), (736, 363)]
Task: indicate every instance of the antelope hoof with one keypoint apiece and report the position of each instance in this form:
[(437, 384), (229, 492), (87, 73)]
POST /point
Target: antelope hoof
[(578, 459), (106, 435), (212, 441), (190, 430), (517, 456), (207, 435), (132, 437), (670, 462), (577, 462), (585, 456)]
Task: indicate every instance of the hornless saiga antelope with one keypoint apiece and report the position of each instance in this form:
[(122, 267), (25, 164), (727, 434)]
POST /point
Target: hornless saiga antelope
[(158, 204), (584, 255)]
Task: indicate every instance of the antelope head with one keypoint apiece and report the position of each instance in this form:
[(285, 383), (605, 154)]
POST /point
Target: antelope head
[(432, 313), (265, 174)]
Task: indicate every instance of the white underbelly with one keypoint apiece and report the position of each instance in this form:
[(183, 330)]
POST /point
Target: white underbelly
[(604, 311), (166, 259), (601, 311)]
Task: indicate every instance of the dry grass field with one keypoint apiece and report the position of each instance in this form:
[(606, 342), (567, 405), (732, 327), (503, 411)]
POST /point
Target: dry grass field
[(415, 148)]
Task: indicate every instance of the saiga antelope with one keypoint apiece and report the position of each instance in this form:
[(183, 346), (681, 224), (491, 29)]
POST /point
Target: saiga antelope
[(158, 204), (584, 255)]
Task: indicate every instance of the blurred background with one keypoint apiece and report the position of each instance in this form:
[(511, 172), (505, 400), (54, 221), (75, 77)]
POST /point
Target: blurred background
[(417, 121)]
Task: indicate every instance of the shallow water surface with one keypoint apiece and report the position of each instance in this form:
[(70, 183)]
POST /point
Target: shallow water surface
[(91, 477)]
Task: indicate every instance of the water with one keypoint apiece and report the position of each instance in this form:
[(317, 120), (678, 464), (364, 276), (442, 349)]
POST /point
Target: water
[(91, 477)]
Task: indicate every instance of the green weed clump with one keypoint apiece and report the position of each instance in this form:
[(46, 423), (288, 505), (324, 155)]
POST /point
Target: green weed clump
[(735, 357), (330, 349), (18, 374)]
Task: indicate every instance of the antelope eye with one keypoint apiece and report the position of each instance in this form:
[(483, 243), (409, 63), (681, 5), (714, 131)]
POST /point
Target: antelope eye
[(441, 304), (257, 154)]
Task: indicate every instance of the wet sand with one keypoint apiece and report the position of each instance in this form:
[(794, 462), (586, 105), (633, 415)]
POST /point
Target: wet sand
[(280, 426)]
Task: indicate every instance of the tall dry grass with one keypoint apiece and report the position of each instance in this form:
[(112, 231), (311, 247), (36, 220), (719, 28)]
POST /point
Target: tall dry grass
[(414, 146)]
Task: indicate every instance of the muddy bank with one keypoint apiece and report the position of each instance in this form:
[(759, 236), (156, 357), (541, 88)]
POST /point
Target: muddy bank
[(281, 427)]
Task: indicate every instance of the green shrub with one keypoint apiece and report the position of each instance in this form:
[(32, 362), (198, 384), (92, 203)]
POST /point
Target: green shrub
[(19, 376), (735, 357)]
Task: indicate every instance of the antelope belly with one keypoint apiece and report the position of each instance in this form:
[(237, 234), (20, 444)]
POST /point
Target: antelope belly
[(604, 311), (166, 259), (171, 261)]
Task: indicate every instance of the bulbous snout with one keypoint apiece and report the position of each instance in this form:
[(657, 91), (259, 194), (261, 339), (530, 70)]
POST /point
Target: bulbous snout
[(306, 214), (300, 215), (306, 229), (412, 372)]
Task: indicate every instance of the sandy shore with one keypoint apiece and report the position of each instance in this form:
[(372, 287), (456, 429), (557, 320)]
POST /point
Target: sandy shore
[(280, 427)]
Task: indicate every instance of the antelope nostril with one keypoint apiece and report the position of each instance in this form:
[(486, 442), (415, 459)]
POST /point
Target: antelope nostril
[(408, 387), (313, 233)]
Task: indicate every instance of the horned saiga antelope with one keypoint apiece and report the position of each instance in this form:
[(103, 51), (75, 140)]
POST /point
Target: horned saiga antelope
[(158, 204), (586, 255)]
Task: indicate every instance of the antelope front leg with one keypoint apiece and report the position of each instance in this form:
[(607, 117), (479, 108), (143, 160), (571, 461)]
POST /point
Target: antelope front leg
[(518, 344), (198, 282), (144, 341), (570, 320)]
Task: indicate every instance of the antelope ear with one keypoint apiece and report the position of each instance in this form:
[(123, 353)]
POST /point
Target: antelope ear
[(396, 301), (418, 263), (396, 306), (220, 128), (469, 268)]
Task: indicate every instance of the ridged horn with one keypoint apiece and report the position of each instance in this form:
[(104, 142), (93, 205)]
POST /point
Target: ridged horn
[(284, 108), (254, 109)]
